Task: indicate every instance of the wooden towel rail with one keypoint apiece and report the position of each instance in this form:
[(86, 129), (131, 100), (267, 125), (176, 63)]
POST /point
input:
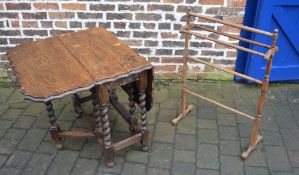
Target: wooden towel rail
[(227, 70), (231, 36), (225, 43), (185, 109)]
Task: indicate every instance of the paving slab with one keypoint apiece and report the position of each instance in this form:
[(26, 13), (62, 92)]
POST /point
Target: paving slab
[(208, 141)]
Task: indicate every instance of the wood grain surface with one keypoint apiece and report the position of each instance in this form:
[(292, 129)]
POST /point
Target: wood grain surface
[(54, 67)]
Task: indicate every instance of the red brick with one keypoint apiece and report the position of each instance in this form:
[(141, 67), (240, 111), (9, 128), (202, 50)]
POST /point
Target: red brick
[(148, 16), (37, 15), (150, 43), (165, 68), (61, 15), (154, 59), (46, 24), (61, 24), (130, 7), (224, 11), (211, 2), (10, 32), (29, 24), (212, 53), (1, 6), (18, 6), (234, 19), (172, 60), (119, 16), (15, 24), (155, 7), (73, 6), (173, 1), (169, 35), (20, 40), (9, 15), (132, 42), (119, 25), (149, 25), (236, 3), (101, 7), (44, 6)]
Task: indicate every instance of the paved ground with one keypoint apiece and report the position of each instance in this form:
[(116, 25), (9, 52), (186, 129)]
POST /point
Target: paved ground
[(208, 141)]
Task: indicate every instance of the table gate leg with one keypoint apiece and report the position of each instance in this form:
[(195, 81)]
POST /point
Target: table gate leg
[(54, 129), (96, 113), (108, 147), (142, 86), (144, 130), (77, 106), (133, 120)]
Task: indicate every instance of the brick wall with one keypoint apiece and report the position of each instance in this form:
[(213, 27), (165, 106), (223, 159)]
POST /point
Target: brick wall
[(149, 26)]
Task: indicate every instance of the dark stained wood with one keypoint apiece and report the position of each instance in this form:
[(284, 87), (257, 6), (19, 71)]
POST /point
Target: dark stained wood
[(54, 67), (96, 60)]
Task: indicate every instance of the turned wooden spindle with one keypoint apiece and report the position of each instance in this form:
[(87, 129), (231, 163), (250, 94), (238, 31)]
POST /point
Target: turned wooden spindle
[(255, 135), (77, 106), (96, 111), (54, 128), (108, 147), (132, 110), (142, 105)]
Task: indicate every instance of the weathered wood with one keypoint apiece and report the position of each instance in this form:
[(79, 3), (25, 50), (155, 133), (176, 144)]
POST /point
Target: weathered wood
[(54, 129), (46, 68), (132, 109), (127, 142), (251, 29), (87, 60), (82, 134), (231, 36), (108, 146), (225, 43), (142, 105), (255, 136), (62, 65), (220, 105)]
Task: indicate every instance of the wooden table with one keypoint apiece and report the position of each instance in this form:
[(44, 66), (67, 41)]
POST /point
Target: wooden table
[(92, 60)]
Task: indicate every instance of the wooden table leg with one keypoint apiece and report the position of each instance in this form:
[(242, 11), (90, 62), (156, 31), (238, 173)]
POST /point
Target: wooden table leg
[(108, 146), (132, 109), (96, 112), (77, 106), (142, 95), (54, 129)]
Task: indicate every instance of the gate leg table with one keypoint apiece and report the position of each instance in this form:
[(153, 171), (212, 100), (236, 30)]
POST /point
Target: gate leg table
[(93, 60)]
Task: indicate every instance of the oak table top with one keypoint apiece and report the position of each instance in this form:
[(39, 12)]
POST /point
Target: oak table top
[(52, 68)]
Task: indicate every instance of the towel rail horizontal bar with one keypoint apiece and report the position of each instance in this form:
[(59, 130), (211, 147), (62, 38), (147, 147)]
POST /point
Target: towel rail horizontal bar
[(220, 105), (227, 70), (225, 43), (232, 24), (231, 36)]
